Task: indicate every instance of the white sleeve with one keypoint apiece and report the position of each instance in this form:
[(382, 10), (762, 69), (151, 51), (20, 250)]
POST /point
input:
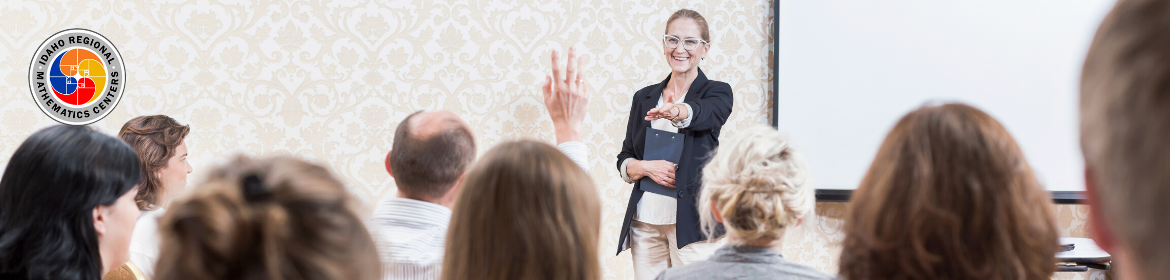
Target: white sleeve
[(626, 176), (577, 152), (687, 121)]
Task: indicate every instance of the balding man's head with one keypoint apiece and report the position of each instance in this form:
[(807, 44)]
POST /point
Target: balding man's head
[(431, 152)]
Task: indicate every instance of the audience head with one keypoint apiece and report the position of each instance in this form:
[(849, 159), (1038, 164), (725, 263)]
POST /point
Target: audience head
[(949, 196), (158, 140), (431, 152), (274, 218), (757, 186), (525, 211), (67, 205), (1125, 132)]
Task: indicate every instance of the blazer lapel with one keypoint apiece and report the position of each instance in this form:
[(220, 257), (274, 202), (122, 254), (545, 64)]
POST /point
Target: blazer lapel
[(651, 100), (693, 93)]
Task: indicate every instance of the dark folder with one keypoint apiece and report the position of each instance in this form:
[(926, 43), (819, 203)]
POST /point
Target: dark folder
[(661, 145)]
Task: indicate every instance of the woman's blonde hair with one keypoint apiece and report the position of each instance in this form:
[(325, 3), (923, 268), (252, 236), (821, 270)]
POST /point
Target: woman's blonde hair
[(759, 185), (275, 218), (524, 211)]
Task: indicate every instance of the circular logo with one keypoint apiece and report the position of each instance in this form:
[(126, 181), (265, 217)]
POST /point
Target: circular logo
[(77, 77)]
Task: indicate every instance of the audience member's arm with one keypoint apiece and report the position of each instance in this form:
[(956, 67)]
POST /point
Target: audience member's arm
[(566, 96), (577, 152)]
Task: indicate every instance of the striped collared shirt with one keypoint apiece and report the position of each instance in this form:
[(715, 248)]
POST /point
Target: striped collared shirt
[(411, 235)]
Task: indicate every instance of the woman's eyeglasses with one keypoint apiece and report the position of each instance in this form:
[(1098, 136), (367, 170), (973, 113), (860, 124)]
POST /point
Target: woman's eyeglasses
[(688, 44)]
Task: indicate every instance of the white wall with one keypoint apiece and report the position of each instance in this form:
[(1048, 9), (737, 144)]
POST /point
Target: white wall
[(849, 69)]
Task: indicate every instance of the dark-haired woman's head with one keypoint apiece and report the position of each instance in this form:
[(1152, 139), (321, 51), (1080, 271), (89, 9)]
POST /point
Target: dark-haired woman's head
[(67, 205), (158, 140), (949, 196), (273, 218)]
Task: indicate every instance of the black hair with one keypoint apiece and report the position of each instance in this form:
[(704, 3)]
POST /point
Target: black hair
[(50, 187)]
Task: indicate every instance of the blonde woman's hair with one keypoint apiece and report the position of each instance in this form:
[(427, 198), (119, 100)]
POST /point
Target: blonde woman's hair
[(275, 218), (524, 211), (759, 185)]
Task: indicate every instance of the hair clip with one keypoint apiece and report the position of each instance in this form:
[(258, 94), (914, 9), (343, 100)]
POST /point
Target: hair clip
[(254, 189)]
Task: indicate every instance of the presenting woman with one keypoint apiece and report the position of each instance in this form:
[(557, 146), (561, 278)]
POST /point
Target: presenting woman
[(663, 230)]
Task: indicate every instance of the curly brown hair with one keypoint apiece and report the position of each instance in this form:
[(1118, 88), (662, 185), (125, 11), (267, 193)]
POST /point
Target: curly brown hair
[(155, 139), (949, 196)]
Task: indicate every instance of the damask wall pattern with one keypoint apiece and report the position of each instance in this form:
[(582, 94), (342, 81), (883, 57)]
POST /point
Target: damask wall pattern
[(330, 80)]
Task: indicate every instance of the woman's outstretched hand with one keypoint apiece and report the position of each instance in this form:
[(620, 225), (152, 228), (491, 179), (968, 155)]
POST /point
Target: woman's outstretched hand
[(669, 111)]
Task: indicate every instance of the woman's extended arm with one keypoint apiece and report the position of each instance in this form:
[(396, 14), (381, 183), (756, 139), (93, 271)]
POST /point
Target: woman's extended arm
[(713, 109)]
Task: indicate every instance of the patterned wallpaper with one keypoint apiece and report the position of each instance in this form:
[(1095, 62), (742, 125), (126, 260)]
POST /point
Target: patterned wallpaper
[(330, 80)]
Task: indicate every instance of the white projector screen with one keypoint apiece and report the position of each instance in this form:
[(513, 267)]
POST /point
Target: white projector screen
[(847, 70)]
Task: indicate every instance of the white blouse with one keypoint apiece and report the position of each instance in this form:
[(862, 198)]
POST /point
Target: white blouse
[(656, 209), (144, 242)]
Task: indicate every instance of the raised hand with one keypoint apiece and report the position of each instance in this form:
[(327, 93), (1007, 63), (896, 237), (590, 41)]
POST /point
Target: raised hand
[(566, 96)]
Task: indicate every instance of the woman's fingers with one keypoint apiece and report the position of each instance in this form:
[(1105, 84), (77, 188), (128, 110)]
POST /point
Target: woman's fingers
[(586, 91), (580, 66), (571, 67), (547, 87), (658, 113), (663, 173), (653, 114), (556, 67), (664, 181)]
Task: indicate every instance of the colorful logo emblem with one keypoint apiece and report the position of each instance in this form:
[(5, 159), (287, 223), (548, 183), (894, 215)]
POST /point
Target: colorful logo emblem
[(77, 77)]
